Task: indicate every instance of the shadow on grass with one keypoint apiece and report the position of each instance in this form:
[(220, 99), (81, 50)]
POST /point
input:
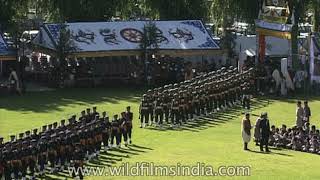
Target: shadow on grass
[(270, 153), (55, 100), (106, 159), (291, 99)]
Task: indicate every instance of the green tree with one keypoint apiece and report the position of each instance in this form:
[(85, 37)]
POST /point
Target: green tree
[(223, 13), (149, 44), (298, 10), (178, 9), (64, 48), (315, 9), (89, 10), (149, 37)]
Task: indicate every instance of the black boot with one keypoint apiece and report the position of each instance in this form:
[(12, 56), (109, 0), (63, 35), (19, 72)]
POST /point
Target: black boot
[(245, 146), (267, 149)]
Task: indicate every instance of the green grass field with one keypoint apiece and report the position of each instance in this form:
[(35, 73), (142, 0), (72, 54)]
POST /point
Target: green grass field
[(215, 141)]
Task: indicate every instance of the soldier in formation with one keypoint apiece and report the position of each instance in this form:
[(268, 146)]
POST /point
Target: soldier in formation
[(178, 103), (61, 145)]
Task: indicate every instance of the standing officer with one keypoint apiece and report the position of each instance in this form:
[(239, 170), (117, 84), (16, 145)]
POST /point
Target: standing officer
[(182, 104), (175, 115), (265, 132), (106, 130), (166, 105), (115, 131), (158, 111), (129, 119), (144, 111)]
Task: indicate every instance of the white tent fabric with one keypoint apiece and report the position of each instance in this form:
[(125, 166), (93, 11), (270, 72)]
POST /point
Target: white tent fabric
[(274, 46), (273, 26), (3, 46), (314, 52), (247, 46), (5, 52), (122, 36)]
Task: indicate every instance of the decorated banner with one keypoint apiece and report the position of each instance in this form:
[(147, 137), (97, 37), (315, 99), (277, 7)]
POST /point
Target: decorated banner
[(123, 36), (275, 11), (274, 20)]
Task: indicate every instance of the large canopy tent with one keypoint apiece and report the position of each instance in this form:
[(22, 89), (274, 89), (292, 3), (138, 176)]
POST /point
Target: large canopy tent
[(98, 39), (6, 54)]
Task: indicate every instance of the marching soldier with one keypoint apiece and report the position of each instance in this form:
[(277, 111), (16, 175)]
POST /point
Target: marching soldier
[(42, 155), (144, 111), (115, 131), (151, 98), (78, 157), (7, 166), (106, 132), (182, 106), (89, 115), (90, 141), (190, 106), (62, 126), (98, 129), (210, 95), (166, 105), (2, 161), (15, 164), (246, 98), (83, 117), (52, 153), (1, 142), (196, 103), (202, 100), (158, 112), (69, 148), (81, 135), (128, 123), (32, 159), (124, 128), (175, 114), (94, 111), (24, 153), (61, 150)]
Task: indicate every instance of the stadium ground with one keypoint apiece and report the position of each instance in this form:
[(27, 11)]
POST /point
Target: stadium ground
[(215, 141)]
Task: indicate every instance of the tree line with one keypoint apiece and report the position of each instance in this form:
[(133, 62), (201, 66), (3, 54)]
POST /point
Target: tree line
[(221, 12)]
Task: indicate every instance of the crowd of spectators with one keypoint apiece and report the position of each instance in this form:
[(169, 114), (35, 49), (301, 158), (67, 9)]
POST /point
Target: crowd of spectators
[(272, 81), (301, 137), (155, 71)]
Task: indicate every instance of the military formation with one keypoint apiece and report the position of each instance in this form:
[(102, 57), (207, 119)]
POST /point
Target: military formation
[(62, 145), (175, 104)]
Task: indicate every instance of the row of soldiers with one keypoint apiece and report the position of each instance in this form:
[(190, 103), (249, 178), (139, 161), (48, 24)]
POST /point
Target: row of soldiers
[(59, 146), (201, 95)]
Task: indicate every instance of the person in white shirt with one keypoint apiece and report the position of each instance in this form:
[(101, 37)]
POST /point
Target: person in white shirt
[(246, 131)]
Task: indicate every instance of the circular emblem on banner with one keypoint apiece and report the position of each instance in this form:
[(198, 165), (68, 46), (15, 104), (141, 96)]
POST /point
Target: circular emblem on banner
[(132, 35)]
